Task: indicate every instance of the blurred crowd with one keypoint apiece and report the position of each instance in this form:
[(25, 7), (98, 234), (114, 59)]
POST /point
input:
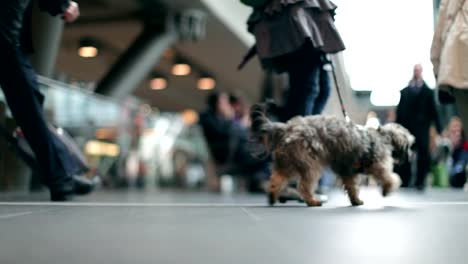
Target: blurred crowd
[(439, 156), (225, 125), (449, 152)]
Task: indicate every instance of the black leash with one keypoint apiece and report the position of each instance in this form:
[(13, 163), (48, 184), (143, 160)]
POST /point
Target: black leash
[(343, 109)]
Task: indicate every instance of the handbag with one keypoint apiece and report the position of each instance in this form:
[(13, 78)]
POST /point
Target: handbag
[(445, 97)]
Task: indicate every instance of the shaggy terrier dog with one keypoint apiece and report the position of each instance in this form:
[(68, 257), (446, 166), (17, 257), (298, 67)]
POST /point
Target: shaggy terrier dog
[(304, 146)]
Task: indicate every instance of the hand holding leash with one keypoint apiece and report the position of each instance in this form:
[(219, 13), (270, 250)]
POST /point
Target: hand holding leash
[(72, 13)]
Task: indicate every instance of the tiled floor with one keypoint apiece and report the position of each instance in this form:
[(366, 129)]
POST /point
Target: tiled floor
[(172, 228)]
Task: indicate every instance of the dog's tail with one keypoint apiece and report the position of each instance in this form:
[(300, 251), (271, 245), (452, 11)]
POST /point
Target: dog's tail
[(263, 130)]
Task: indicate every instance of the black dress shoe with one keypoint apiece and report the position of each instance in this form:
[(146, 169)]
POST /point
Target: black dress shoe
[(420, 188), (58, 196), (83, 185), (79, 186)]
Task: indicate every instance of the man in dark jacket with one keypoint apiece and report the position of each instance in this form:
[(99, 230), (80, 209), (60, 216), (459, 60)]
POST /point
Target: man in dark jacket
[(417, 112), (19, 84)]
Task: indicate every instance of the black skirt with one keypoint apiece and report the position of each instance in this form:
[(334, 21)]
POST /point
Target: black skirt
[(285, 26)]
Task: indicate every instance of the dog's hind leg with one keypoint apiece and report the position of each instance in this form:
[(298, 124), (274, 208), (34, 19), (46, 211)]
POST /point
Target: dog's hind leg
[(277, 182), (307, 185), (351, 185)]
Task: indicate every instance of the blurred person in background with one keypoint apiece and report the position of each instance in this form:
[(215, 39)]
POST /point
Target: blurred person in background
[(391, 116), (449, 54), (19, 84), (417, 111), (440, 148), (228, 142), (219, 127), (459, 153), (241, 110)]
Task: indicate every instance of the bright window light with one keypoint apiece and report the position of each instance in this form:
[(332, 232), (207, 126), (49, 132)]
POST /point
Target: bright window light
[(385, 98), (99, 148), (384, 40)]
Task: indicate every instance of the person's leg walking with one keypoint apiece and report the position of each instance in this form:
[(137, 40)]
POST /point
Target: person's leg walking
[(69, 162), (19, 89), (304, 74), (461, 102), (324, 92), (404, 171), (423, 165), (303, 89)]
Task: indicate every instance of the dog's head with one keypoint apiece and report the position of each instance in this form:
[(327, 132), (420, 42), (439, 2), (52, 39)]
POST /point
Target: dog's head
[(263, 130), (400, 140)]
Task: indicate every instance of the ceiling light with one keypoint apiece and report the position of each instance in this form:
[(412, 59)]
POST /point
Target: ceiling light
[(206, 83), (158, 83), (181, 69), (88, 48), (88, 52)]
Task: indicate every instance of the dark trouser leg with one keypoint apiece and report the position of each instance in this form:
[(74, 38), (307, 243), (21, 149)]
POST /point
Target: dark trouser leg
[(19, 87), (324, 92), (304, 76), (424, 163), (303, 88), (321, 101), (404, 170), (69, 162)]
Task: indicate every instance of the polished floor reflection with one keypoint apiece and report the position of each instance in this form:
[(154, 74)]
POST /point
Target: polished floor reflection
[(170, 227)]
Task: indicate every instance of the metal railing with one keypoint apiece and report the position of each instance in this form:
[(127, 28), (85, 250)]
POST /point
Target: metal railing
[(143, 141)]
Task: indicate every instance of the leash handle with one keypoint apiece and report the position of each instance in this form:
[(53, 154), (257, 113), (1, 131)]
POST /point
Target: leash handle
[(250, 54), (343, 109)]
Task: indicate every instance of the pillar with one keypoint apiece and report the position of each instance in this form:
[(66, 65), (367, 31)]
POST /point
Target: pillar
[(47, 35)]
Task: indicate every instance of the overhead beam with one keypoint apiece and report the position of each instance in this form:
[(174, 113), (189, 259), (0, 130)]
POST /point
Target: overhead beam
[(162, 29), (136, 63), (106, 19)]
